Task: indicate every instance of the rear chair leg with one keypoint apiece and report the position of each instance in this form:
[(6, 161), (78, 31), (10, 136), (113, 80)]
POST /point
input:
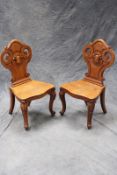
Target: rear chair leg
[(52, 98), (90, 106), (102, 101), (12, 101), (62, 98), (85, 103), (24, 108)]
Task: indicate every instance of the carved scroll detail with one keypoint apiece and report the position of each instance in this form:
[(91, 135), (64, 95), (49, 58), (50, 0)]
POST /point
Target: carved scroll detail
[(98, 56), (15, 57)]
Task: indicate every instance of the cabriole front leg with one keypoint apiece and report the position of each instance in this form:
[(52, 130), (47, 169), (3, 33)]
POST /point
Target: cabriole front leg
[(24, 108), (52, 98), (90, 106), (12, 101), (62, 98), (102, 101)]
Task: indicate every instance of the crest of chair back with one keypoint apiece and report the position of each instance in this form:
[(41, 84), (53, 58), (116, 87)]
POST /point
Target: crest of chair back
[(98, 56), (15, 57)]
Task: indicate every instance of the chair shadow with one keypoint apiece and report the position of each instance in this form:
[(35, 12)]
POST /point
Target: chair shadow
[(39, 119), (75, 119), (78, 119)]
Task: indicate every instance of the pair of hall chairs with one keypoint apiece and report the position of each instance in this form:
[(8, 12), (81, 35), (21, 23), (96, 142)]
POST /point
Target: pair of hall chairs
[(16, 56)]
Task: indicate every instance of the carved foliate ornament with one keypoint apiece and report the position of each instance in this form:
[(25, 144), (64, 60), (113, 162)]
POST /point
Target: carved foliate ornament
[(15, 57), (98, 56)]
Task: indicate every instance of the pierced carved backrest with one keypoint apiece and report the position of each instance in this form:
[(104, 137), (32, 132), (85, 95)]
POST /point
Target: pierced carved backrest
[(15, 57), (98, 56)]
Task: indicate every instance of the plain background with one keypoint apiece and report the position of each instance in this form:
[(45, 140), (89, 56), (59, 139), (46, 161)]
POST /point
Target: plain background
[(57, 30)]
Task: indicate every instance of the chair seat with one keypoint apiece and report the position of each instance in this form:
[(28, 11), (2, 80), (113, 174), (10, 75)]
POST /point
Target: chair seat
[(30, 89), (83, 88)]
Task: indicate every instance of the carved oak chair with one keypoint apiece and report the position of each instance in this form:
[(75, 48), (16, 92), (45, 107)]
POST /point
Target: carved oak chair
[(16, 57), (98, 56)]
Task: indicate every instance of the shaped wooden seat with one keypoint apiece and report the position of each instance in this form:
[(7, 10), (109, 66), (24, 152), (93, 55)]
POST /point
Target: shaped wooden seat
[(98, 56), (83, 89), (31, 89), (16, 57)]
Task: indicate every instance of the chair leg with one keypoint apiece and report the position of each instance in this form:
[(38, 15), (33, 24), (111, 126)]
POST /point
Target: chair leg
[(24, 108), (62, 98), (52, 98), (12, 102), (102, 101), (90, 106), (29, 103), (85, 103)]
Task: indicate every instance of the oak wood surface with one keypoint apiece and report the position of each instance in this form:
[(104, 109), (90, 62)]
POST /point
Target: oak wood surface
[(30, 89), (98, 56), (15, 57), (83, 88)]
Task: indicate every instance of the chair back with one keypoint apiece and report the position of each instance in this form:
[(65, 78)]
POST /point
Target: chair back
[(98, 56), (15, 57)]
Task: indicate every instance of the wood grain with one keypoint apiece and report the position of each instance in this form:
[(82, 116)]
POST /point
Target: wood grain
[(15, 57), (98, 56)]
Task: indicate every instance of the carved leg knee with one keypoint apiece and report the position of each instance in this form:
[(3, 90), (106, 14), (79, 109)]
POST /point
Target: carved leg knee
[(52, 98), (24, 108), (102, 101), (12, 102), (90, 105), (62, 98)]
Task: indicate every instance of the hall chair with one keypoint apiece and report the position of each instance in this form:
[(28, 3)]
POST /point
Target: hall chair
[(98, 56), (15, 57)]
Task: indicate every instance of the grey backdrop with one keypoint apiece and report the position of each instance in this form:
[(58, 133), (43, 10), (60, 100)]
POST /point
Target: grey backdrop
[(57, 30)]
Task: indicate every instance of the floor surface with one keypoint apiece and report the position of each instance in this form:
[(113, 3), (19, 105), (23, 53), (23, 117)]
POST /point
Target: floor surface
[(57, 31)]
